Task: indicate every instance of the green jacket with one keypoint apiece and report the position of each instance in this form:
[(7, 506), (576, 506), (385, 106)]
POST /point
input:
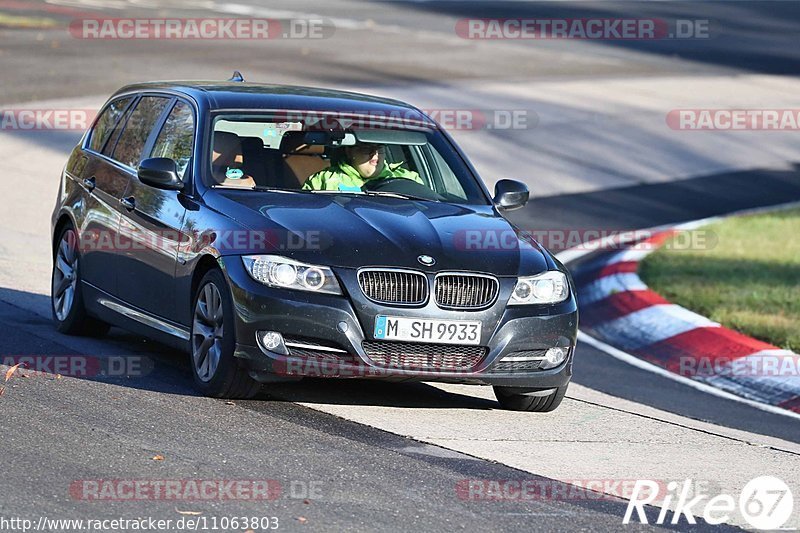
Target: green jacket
[(344, 177)]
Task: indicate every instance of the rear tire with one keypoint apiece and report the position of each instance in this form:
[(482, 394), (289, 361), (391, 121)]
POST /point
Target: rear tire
[(66, 290), (517, 399), (215, 369)]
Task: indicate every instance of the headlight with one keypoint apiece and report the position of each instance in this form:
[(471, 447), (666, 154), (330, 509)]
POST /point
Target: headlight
[(277, 271), (547, 288)]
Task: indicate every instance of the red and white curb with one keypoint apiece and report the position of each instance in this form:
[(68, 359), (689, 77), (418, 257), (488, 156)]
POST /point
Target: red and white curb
[(621, 316)]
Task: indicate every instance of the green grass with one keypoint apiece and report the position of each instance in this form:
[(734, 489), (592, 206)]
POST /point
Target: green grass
[(747, 278)]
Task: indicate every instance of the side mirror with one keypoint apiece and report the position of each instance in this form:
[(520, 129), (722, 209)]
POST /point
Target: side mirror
[(161, 173), (510, 194)]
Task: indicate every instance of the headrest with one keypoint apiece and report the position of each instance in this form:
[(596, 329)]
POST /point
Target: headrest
[(227, 143), (228, 146), (293, 142), (251, 144)]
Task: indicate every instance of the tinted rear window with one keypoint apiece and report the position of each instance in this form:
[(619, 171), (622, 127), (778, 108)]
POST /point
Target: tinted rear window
[(131, 143), (105, 124)]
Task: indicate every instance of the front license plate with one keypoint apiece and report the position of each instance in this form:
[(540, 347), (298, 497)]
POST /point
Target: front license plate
[(427, 330)]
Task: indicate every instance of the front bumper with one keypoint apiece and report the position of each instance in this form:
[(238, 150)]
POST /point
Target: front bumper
[(345, 322)]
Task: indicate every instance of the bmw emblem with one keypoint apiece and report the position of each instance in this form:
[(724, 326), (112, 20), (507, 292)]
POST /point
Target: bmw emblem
[(426, 260)]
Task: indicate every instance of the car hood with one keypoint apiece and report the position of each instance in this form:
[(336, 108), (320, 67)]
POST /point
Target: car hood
[(355, 231)]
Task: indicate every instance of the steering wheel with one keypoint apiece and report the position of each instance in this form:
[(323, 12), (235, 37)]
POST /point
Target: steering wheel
[(401, 186)]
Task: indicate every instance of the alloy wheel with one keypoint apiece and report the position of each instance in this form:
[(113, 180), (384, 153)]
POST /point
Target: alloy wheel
[(65, 275), (207, 331)]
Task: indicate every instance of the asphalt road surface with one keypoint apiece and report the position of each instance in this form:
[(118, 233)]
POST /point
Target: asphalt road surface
[(369, 456)]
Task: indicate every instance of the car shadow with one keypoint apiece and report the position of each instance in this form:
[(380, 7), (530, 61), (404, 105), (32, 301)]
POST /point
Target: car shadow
[(374, 393), (119, 357)]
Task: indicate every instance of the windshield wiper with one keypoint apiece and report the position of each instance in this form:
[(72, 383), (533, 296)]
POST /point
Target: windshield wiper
[(399, 195), (402, 196), (260, 188)]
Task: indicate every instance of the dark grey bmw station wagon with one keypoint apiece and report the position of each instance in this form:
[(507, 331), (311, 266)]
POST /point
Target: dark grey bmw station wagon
[(276, 233)]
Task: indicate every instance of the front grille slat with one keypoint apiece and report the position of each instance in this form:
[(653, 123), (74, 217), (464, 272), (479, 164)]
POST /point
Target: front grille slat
[(452, 290), (465, 291), (394, 287), (429, 357)]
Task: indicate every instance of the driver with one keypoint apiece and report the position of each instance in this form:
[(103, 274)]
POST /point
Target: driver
[(361, 163)]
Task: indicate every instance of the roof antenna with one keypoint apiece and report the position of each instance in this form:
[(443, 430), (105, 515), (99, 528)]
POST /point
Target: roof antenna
[(237, 76)]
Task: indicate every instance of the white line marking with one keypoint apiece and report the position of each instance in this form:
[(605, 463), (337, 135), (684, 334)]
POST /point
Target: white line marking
[(644, 365), (769, 376), (651, 325), (606, 286)]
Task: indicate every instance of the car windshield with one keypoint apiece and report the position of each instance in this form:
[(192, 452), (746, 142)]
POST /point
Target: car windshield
[(268, 153)]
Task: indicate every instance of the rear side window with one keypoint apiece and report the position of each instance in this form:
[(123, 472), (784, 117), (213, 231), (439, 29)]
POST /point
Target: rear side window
[(176, 137), (131, 144), (108, 150), (105, 124)]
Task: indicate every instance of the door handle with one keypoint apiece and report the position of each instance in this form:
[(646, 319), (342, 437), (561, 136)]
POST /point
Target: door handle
[(128, 203), (90, 183)]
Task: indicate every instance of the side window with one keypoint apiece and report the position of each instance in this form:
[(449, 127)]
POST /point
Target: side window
[(176, 137), (105, 124), (108, 150), (451, 184), (130, 147)]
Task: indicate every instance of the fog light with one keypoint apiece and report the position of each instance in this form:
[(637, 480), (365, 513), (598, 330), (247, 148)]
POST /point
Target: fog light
[(272, 341), (554, 357)]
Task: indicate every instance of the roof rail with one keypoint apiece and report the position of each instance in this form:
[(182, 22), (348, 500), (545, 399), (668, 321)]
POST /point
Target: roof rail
[(237, 76)]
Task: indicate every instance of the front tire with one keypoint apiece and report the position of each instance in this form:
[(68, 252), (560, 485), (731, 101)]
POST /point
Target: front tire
[(215, 369), (66, 295), (516, 399)]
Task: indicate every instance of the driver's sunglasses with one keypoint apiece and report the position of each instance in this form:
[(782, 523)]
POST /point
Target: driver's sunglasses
[(370, 149)]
